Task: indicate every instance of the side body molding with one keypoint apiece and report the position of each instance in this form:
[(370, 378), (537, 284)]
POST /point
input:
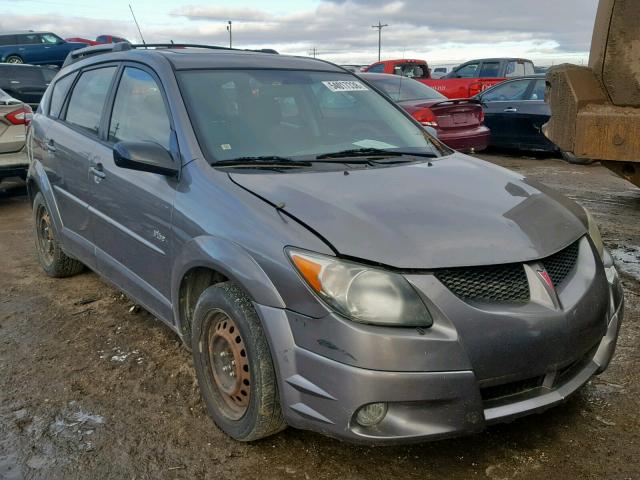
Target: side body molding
[(232, 261)]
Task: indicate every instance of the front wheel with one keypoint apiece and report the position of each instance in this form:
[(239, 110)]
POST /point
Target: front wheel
[(14, 59), (234, 366)]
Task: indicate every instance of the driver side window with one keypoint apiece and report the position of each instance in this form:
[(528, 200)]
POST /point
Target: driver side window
[(468, 71), (508, 91)]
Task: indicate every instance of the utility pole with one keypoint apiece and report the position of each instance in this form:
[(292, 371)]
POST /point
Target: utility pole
[(380, 26), (230, 35), (313, 52)]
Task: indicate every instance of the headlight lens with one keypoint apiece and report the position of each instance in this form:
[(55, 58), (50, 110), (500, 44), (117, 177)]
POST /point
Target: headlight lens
[(594, 233), (361, 293)]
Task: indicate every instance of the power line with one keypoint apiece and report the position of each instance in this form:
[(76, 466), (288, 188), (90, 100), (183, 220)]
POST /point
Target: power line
[(379, 26)]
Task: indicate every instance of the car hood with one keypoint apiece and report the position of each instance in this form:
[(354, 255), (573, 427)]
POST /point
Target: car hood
[(454, 211)]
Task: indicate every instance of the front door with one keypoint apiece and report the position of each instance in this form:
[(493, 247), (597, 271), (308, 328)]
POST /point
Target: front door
[(131, 210), (502, 111)]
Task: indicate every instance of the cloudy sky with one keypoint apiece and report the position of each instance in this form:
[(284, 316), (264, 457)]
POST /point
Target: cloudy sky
[(440, 31)]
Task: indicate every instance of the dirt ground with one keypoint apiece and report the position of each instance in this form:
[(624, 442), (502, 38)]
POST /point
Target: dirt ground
[(89, 389)]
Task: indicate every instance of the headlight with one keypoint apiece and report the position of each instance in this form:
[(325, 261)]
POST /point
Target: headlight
[(361, 293), (594, 233)]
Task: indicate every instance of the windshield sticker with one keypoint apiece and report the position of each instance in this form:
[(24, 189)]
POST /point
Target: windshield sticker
[(225, 146), (345, 86)]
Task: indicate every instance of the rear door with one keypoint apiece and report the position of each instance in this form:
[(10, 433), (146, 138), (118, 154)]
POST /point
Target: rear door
[(502, 105), (30, 48), (131, 210), (70, 142)]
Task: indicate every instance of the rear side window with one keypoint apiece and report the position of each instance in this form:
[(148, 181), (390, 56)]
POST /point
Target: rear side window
[(88, 98), (529, 69), (515, 69), (490, 69), (139, 113), (8, 40), (379, 68), (59, 93), (26, 75), (28, 39)]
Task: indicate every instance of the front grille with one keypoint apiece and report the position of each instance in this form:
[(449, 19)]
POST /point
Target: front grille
[(505, 283), (559, 265), (500, 283)]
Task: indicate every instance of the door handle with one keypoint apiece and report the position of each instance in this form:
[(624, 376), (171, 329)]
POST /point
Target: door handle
[(510, 110), (51, 145), (98, 171)]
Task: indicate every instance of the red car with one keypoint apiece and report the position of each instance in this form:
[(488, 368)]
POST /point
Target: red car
[(459, 122), (465, 81), (101, 39)]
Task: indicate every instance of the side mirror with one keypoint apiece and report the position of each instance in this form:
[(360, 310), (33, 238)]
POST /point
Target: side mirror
[(144, 157)]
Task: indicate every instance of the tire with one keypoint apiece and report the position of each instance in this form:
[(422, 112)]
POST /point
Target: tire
[(227, 333), (14, 59), (571, 158), (50, 255)]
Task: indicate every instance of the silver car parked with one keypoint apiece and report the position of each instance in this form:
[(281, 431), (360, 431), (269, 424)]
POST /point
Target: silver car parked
[(331, 266), (14, 119)]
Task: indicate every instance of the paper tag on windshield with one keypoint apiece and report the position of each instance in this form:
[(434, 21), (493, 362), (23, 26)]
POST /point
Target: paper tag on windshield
[(345, 86)]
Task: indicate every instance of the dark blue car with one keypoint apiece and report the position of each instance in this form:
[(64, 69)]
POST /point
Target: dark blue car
[(37, 48)]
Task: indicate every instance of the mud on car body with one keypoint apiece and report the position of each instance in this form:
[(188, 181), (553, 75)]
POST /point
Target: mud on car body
[(331, 266)]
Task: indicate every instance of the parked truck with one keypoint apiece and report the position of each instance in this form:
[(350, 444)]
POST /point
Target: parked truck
[(465, 80)]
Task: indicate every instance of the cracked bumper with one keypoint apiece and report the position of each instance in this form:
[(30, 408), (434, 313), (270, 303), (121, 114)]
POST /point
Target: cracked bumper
[(321, 394)]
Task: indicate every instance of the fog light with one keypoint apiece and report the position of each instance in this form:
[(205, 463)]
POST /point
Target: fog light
[(371, 414)]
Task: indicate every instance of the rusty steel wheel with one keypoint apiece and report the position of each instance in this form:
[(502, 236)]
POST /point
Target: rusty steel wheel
[(229, 365), (44, 234), (233, 364), (52, 259)]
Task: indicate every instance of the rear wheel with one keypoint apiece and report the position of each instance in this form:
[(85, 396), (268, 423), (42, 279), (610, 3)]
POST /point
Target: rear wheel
[(14, 59), (571, 158), (233, 364), (52, 259)]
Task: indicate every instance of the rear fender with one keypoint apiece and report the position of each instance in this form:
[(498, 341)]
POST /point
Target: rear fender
[(37, 180)]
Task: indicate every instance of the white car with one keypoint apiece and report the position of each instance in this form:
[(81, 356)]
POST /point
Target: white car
[(15, 117)]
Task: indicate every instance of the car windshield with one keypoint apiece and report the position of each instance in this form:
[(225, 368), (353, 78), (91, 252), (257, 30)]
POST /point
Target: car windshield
[(282, 113), (402, 89)]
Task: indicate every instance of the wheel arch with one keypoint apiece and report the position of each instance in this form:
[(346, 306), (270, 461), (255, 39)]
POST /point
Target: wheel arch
[(38, 182), (207, 260)]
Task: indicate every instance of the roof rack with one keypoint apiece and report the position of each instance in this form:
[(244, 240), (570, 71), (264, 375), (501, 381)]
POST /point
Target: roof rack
[(77, 55)]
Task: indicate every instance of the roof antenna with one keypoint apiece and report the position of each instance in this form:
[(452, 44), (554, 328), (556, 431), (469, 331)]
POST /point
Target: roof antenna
[(136, 21)]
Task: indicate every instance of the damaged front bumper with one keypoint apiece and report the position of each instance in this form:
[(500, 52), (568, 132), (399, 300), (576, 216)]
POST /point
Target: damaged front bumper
[(324, 394)]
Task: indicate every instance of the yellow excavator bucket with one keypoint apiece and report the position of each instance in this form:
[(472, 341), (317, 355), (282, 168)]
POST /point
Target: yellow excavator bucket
[(595, 110)]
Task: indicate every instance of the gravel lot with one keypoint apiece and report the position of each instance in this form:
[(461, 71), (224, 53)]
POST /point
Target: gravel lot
[(90, 389)]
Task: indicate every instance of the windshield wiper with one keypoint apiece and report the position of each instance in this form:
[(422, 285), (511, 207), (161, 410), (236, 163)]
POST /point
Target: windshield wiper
[(372, 152), (262, 162)]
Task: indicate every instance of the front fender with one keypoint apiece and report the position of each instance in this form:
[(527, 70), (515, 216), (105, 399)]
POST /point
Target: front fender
[(229, 259)]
